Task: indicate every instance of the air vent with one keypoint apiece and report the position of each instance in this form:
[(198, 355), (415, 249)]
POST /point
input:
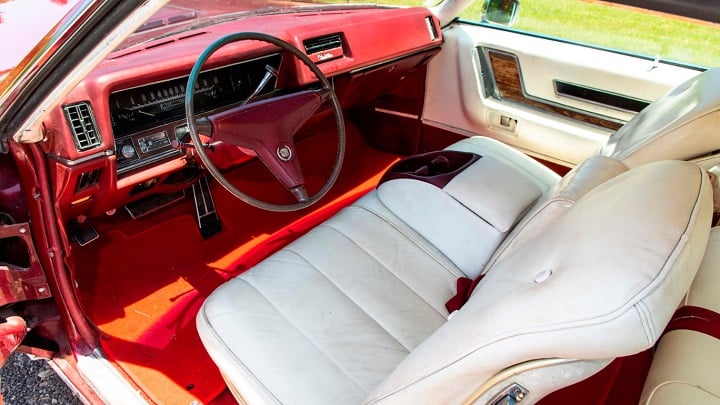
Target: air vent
[(322, 49), (82, 124), (87, 179)]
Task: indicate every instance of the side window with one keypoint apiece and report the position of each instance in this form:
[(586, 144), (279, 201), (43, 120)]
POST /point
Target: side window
[(620, 27)]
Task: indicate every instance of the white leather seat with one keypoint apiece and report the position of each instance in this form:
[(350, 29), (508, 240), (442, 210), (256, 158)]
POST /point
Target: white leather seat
[(354, 311), (681, 125)]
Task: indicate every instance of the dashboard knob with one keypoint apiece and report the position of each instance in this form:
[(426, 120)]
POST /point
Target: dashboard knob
[(127, 151)]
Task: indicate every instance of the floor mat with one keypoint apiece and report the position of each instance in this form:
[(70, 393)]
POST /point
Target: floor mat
[(144, 280)]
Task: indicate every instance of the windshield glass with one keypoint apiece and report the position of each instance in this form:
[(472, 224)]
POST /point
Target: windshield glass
[(22, 26), (181, 15)]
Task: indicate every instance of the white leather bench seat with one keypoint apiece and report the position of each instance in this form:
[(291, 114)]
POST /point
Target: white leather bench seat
[(346, 303), (353, 297), (353, 312), (686, 364)]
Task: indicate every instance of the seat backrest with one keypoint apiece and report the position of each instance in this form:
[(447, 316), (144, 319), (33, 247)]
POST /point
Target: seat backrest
[(680, 125), (600, 282), (559, 199)]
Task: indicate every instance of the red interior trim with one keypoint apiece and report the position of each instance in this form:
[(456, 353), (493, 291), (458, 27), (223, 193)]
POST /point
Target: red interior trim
[(697, 319), (620, 383)]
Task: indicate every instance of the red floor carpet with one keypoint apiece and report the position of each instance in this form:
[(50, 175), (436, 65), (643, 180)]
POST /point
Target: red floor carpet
[(144, 280)]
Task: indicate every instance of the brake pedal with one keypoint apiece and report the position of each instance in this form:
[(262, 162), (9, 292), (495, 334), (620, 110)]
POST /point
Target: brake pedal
[(208, 219)]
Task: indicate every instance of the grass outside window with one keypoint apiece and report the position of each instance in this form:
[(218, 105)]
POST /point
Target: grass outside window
[(612, 26), (620, 27)]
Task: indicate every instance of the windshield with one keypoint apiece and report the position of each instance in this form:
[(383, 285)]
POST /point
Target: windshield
[(22, 26), (182, 15), (21, 21)]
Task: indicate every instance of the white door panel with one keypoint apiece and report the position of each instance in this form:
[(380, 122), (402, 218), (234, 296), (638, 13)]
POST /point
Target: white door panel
[(466, 90)]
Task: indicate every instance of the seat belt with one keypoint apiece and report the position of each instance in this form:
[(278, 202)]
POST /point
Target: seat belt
[(465, 287)]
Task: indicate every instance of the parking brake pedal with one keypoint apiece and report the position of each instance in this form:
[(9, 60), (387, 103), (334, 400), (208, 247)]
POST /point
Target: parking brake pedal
[(208, 220)]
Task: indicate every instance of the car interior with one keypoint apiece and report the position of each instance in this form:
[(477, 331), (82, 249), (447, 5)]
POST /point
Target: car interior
[(351, 215)]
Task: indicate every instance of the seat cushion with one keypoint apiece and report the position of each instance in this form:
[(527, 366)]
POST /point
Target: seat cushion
[(526, 166), (326, 319)]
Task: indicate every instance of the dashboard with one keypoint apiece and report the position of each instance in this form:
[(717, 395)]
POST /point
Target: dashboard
[(114, 139), (146, 119)]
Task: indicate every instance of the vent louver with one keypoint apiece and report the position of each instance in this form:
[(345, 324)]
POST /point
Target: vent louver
[(321, 49), (83, 126), (87, 179)]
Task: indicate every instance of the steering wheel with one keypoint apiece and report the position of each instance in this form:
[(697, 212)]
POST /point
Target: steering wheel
[(267, 127)]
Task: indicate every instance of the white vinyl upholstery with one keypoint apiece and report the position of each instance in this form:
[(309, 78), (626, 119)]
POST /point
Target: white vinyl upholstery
[(326, 319), (558, 200), (353, 312), (469, 217), (534, 171)]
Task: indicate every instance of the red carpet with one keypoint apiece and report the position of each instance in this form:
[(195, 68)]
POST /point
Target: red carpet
[(144, 280)]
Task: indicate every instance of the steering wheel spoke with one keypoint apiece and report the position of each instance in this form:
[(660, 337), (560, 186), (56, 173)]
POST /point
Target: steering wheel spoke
[(267, 127)]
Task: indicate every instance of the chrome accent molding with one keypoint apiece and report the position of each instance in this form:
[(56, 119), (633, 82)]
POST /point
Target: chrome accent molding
[(70, 162), (396, 113)]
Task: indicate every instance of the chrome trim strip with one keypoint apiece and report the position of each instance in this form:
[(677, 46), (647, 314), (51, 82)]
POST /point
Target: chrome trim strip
[(135, 164), (106, 381), (70, 162), (430, 23), (397, 113)]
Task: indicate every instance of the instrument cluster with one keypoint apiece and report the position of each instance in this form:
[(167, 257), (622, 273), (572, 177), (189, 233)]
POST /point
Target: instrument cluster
[(146, 119)]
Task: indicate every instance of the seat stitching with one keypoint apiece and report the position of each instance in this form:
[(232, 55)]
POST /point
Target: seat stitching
[(367, 252), (349, 298), (410, 238), (296, 326)]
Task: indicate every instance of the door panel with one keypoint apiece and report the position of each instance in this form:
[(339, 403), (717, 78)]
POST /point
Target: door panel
[(554, 100)]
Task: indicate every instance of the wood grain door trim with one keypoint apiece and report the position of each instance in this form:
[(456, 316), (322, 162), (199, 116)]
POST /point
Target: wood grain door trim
[(507, 85)]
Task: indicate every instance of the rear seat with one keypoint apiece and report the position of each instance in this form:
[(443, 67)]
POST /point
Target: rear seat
[(686, 366)]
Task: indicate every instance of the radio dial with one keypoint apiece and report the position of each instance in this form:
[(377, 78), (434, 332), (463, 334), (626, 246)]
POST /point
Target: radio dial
[(127, 151)]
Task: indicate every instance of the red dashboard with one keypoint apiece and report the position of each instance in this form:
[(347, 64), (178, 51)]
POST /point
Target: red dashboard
[(111, 142)]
